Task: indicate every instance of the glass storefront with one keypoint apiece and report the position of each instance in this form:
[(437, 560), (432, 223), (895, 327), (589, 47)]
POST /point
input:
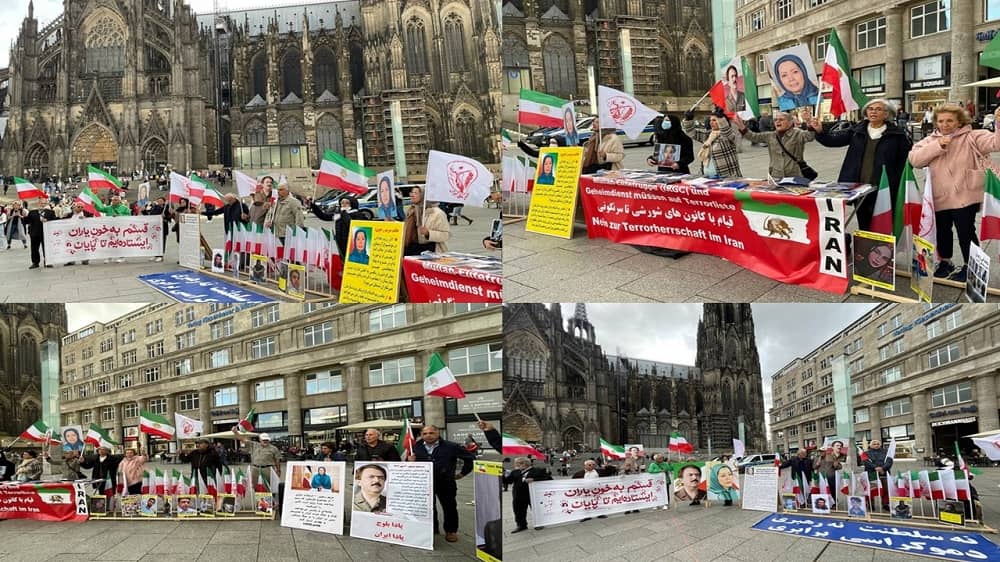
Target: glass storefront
[(264, 157)]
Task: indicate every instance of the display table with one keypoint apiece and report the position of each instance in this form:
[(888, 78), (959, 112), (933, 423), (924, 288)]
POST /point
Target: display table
[(453, 277), (793, 235), (43, 501)]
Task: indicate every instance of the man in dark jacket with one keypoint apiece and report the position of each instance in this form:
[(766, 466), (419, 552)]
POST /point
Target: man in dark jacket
[(493, 436), (160, 207), (880, 463), (802, 467), (374, 449), (36, 218), (445, 456), (522, 475), (232, 212), (204, 460), (105, 467), (6, 468)]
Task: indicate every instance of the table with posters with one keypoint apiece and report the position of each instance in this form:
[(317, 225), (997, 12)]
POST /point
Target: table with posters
[(43, 501), (790, 234), (453, 277)]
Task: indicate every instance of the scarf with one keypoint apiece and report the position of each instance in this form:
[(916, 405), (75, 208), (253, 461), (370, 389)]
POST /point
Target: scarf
[(705, 152), (875, 133), (590, 151), (410, 226)]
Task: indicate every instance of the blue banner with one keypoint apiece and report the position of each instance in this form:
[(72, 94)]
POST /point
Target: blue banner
[(923, 542), (191, 286)]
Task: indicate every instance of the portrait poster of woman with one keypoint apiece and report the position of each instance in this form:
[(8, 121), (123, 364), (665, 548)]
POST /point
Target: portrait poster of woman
[(793, 77), (667, 154), (72, 438), (875, 259), (547, 168), (723, 484)]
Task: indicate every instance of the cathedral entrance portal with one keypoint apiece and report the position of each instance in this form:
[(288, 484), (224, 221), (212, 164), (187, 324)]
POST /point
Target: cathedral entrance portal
[(573, 439), (94, 145)]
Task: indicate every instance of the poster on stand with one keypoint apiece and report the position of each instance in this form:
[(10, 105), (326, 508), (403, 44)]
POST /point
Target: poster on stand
[(314, 496), (393, 503)]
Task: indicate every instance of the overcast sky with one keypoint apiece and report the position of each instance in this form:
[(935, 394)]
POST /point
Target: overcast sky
[(79, 315), (669, 332), (15, 11)]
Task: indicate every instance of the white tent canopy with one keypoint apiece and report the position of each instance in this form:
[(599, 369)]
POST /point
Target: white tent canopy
[(984, 83), (221, 435), (376, 424)]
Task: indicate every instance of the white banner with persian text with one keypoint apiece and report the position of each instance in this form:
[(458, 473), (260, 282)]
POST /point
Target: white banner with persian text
[(562, 501), (69, 240)]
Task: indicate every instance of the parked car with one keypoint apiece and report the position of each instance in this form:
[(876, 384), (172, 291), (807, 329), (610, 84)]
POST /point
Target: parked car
[(541, 137), (765, 459), (367, 203)]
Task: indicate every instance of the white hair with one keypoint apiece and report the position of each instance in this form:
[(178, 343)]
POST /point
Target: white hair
[(778, 114), (890, 107)]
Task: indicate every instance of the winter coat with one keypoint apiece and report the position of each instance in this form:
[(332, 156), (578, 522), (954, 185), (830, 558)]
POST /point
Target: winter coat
[(891, 152), (956, 172), (381, 452), (781, 166), (675, 135), (799, 466), (284, 213), (520, 487), (727, 161), (614, 151), (15, 223), (232, 213), (877, 458)]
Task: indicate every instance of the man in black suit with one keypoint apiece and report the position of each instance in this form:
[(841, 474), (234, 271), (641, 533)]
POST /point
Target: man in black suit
[(36, 218), (522, 475), (445, 456)]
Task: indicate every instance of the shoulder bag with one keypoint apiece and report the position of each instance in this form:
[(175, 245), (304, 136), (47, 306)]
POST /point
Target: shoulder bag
[(805, 169)]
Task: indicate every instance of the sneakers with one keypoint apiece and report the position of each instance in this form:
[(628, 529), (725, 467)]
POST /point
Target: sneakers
[(33, 266), (960, 275), (944, 270)]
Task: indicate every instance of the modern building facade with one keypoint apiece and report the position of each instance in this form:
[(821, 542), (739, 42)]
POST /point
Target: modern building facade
[(917, 52), (23, 328), (563, 390), (924, 374), (305, 369)]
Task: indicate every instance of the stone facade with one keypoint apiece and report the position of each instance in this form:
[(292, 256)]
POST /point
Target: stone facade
[(564, 391), (305, 369), (23, 327)]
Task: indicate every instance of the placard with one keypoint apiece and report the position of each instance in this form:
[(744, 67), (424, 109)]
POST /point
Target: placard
[(44, 501), (393, 502), (295, 287), (371, 271), (760, 488), (487, 478), (553, 202), (977, 274), (875, 259), (314, 497), (561, 501), (923, 267), (102, 237), (190, 245)]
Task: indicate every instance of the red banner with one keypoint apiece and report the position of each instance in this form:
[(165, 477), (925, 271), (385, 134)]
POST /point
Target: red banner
[(437, 281), (48, 501), (792, 239)]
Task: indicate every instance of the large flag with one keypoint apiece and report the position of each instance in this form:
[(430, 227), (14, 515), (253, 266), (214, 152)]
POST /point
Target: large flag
[(882, 215), (928, 222), (178, 188), (514, 447), (98, 437), (246, 423), (197, 187), (847, 94), (213, 197), (187, 427), (27, 190), (750, 90), (679, 444), (339, 172), (991, 54), (623, 111), (453, 178), (406, 441), (99, 179), (155, 425), (539, 108), (245, 184), (39, 432), (612, 451), (907, 203), (991, 211), (89, 200), (440, 381)]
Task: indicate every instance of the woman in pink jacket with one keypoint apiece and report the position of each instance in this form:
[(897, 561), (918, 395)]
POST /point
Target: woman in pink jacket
[(957, 157), (132, 467)]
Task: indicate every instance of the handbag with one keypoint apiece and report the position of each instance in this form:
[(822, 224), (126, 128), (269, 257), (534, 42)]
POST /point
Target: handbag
[(805, 169)]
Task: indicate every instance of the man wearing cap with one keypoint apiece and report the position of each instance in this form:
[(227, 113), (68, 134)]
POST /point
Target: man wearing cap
[(374, 449), (204, 460), (263, 455)]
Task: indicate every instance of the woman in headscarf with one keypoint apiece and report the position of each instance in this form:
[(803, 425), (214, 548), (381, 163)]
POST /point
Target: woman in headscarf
[(717, 154), (342, 220), (799, 91), (30, 467), (722, 485), (667, 130)]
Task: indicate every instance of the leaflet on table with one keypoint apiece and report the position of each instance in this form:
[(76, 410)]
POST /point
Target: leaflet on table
[(793, 186), (488, 264)]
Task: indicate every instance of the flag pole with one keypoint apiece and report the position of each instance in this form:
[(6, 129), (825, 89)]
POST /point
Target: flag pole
[(701, 99)]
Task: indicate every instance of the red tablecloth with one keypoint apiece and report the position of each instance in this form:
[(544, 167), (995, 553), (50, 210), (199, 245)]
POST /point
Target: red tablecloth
[(434, 281), (44, 501), (792, 239)]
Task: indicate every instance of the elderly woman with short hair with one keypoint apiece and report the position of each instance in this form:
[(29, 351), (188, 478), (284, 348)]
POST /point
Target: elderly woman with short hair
[(871, 144), (957, 157)]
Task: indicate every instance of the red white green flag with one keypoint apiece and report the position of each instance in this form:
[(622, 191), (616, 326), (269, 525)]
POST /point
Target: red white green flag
[(196, 189), (908, 203), (539, 108), (246, 424), (213, 197), (160, 484), (339, 172), (440, 381), (241, 486), (39, 432), (916, 490), (991, 208), (145, 482), (155, 425), (962, 485), (404, 445), (99, 179), (882, 215), (98, 437), (175, 480), (514, 447), (847, 94), (679, 444), (89, 200), (948, 483), (935, 485), (612, 451), (27, 190)]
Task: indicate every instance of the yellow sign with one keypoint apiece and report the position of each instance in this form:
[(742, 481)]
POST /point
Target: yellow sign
[(371, 269), (295, 286), (488, 467), (553, 201)]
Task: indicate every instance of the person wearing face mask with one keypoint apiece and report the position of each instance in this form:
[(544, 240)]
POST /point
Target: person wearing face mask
[(667, 130), (957, 157), (342, 220)]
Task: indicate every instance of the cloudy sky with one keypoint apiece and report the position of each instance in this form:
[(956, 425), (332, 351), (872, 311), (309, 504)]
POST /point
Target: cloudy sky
[(79, 315), (669, 332), (15, 11)]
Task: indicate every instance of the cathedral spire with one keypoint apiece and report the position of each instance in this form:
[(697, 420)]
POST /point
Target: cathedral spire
[(31, 9), (581, 312)]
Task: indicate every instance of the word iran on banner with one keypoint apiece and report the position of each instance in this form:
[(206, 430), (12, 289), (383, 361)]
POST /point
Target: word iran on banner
[(103, 237), (561, 501), (44, 501), (393, 503), (314, 496)]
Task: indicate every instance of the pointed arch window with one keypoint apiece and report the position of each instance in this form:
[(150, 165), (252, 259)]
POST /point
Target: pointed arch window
[(254, 133), (291, 132), (466, 133), (325, 74), (28, 357), (291, 73), (454, 42), (329, 135), (104, 46), (559, 65), (259, 75), (416, 46)]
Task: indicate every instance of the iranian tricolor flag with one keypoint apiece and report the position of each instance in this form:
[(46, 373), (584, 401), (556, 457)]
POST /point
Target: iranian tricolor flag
[(991, 209), (89, 200), (948, 483), (175, 481), (935, 485), (145, 482), (862, 454), (27, 190), (907, 203), (99, 179), (159, 483), (902, 484), (109, 489), (882, 215), (241, 482), (612, 451), (155, 425), (179, 188), (750, 87), (213, 197), (844, 482), (196, 189), (505, 139), (962, 485), (246, 424), (339, 172), (860, 484), (679, 444), (512, 446), (39, 432), (98, 437), (874, 485), (440, 381), (916, 489), (814, 485), (258, 239), (928, 220), (212, 485), (404, 445), (539, 108), (261, 485), (847, 94)]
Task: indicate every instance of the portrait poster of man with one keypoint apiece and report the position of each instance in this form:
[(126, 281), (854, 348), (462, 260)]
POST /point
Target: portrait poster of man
[(385, 183), (150, 504), (923, 266), (901, 508), (951, 512), (295, 287), (875, 259), (793, 77), (72, 438), (821, 503), (227, 505), (97, 506), (187, 505), (206, 505), (130, 506), (978, 275), (258, 268), (688, 485), (635, 449), (264, 504), (314, 496), (856, 507), (733, 87), (397, 493), (218, 261)]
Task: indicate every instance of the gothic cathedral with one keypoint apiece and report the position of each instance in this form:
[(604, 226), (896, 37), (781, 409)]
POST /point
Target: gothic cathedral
[(23, 327)]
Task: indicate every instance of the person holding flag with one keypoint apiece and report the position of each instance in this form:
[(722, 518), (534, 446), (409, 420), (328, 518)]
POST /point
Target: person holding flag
[(132, 468), (879, 461), (520, 478), (872, 144), (204, 460), (829, 462), (426, 227), (264, 456), (30, 467), (104, 467), (718, 155), (785, 146), (802, 469)]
